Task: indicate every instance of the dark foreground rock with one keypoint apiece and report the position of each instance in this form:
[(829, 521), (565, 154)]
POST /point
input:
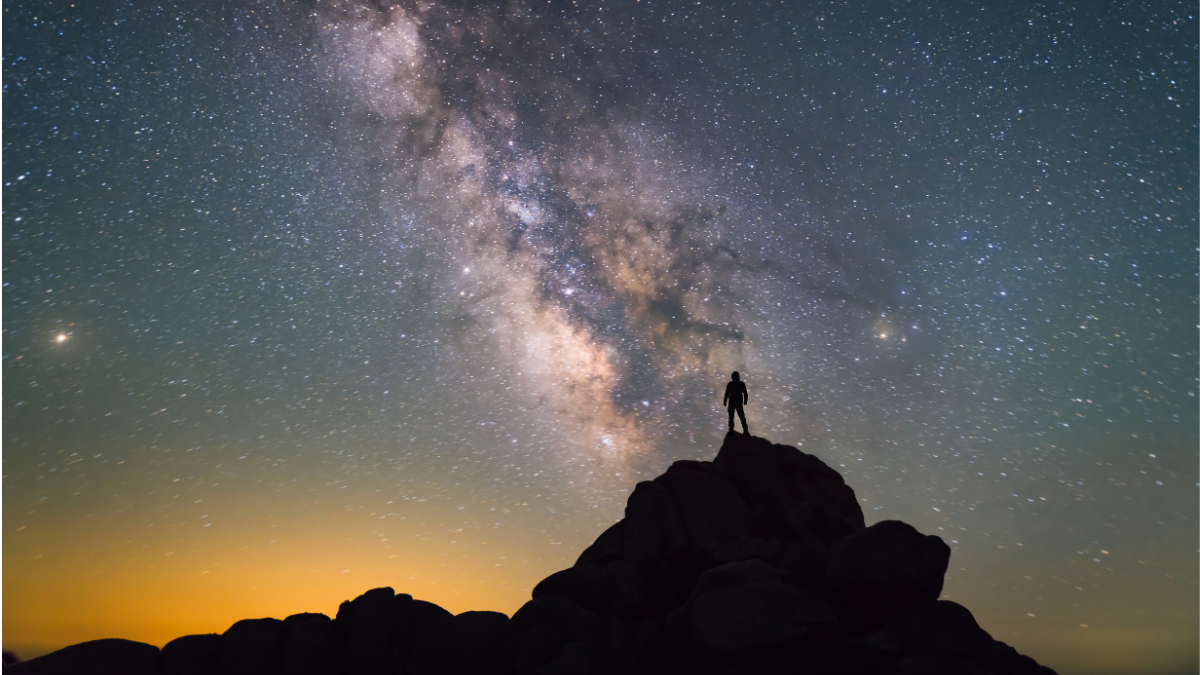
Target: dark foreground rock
[(98, 656), (756, 562)]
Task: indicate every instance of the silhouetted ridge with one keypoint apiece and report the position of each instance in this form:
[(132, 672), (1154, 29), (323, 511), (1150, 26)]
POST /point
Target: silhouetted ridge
[(758, 561)]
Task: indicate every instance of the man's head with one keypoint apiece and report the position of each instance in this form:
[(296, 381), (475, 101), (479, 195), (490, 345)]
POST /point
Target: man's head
[(736, 377)]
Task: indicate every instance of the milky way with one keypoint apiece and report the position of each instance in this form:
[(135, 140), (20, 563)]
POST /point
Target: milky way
[(587, 259), (306, 298)]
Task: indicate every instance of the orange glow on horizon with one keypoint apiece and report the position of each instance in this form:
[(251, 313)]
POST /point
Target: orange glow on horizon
[(185, 589)]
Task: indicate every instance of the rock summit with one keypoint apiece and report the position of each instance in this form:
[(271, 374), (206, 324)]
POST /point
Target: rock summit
[(756, 562)]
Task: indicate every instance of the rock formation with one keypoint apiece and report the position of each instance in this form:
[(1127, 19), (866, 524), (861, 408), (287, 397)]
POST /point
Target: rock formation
[(758, 561)]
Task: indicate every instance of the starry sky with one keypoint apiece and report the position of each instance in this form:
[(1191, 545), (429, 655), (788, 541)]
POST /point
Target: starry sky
[(306, 298)]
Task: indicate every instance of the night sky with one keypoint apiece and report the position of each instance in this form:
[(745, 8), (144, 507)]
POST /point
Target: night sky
[(306, 298)]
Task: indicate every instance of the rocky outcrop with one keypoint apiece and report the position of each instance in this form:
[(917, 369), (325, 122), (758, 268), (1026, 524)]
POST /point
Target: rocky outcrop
[(757, 561), (97, 656)]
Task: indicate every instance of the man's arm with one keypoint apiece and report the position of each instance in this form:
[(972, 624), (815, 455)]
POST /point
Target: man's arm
[(745, 394), (725, 401)]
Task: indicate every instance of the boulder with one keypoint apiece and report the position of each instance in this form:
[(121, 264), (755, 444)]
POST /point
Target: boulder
[(882, 569), (308, 645), (652, 526), (425, 636), (369, 620), (607, 547), (709, 507), (544, 625), (479, 639), (769, 493), (94, 658), (190, 655), (759, 467), (943, 627), (250, 646), (586, 584)]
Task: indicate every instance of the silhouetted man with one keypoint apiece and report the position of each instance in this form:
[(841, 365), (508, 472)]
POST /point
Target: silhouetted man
[(735, 396)]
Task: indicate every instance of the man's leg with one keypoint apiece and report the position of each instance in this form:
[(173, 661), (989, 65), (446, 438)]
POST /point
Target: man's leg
[(741, 416), (731, 418)]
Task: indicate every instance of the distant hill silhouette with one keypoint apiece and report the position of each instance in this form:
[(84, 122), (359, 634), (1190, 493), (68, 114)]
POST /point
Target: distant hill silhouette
[(755, 562)]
